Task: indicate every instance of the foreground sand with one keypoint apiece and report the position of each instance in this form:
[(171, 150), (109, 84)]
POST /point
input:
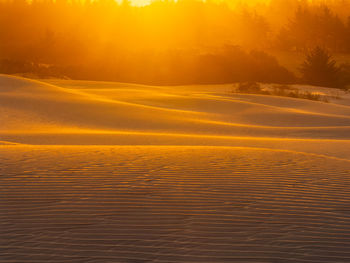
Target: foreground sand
[(109, 172), (172, 204)]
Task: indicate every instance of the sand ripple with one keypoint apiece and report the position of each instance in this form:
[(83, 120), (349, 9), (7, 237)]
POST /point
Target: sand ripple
[(172, 204)]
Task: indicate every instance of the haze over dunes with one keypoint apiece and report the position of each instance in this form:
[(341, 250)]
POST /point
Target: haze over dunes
[(174, 131), (170, 42)]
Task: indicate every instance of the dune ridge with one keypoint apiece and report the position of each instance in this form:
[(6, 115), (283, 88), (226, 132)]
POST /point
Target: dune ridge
[(67, 112)]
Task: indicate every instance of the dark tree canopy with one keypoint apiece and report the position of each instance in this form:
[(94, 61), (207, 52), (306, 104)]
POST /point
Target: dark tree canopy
[(320, 69)]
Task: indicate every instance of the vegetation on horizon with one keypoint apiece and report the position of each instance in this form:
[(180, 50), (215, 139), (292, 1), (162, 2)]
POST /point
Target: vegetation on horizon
[(280, 90), (166, 42), (320, 69)]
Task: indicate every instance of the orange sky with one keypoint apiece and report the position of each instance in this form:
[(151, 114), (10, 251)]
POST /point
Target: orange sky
[(230, 2)]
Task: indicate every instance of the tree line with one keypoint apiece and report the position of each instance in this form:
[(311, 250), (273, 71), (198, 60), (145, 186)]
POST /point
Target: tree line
[(166, 42)]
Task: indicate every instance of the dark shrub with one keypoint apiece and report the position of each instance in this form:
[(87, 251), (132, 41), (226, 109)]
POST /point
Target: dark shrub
[(249, 87), (320, 69)]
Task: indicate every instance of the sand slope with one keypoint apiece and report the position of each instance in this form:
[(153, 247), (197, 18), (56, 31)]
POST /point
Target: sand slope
[(85, 112), (107, 172)]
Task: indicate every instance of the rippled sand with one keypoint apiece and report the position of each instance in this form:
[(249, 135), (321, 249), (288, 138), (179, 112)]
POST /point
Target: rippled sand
[(110, 172), (172, 204)]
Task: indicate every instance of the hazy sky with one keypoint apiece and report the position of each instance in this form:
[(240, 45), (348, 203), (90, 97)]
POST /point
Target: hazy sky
[(231, 2)]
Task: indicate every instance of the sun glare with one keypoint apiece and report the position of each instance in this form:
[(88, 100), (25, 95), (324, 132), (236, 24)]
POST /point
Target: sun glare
[(232, 3), (174, 131)]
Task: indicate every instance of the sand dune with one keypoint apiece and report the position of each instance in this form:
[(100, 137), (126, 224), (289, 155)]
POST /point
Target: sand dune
[(58, 112), (114, 106), (110, 172)]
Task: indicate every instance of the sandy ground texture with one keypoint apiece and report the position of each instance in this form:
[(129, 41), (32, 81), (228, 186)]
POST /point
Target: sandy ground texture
[(113, 172)]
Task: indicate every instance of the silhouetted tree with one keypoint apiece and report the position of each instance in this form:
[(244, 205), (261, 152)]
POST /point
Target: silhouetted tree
[(319, 68), (345, 75), (313, 26)]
